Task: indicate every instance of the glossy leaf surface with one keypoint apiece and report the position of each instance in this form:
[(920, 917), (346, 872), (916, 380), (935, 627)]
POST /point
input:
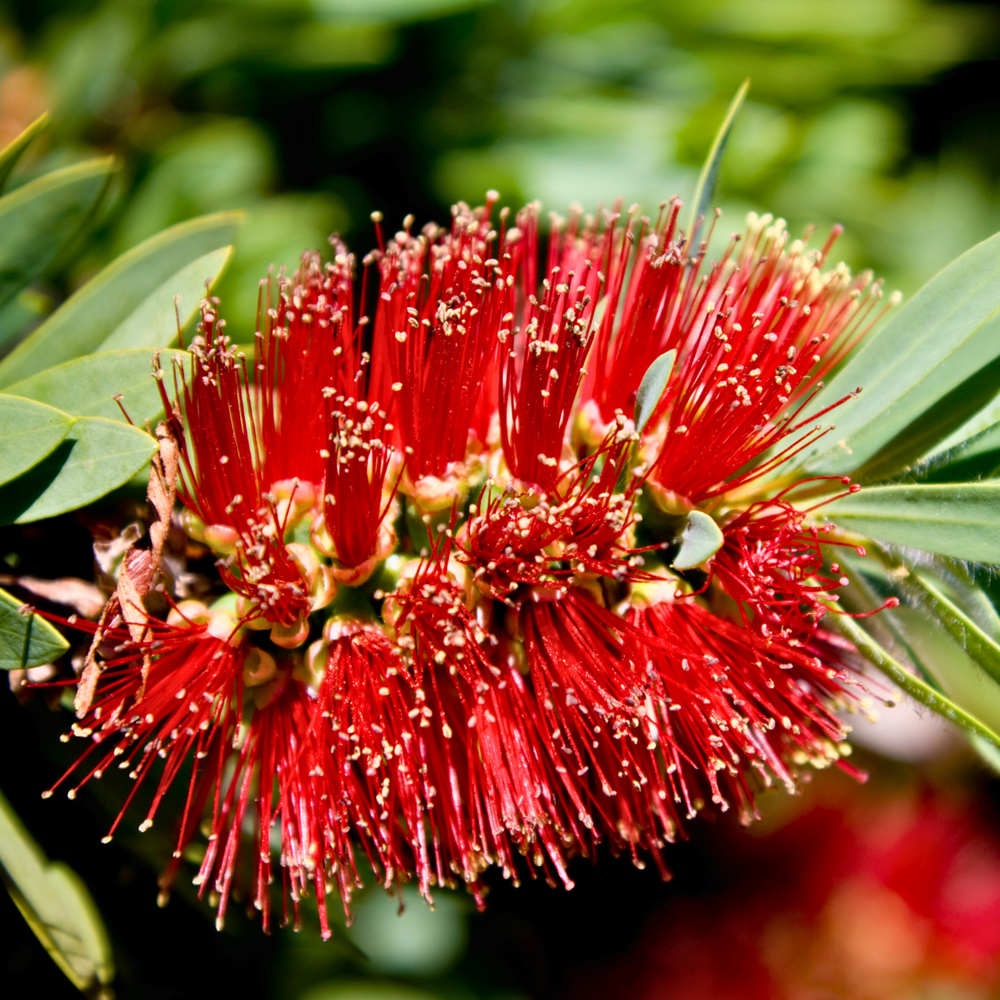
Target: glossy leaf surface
[(935, 425), (924, 350), (96, 457), (25, 639), (25, 308), (56, 904), (40, 219), (960, 520), (651, 388), (90, 316), (914, 686), (28, 432), (705, 190), (87, 386), (700, 539), (982, 648), (155, 322), (943, 659)]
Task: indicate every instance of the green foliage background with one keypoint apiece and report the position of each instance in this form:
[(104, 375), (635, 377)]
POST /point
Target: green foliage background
[(877, 114)]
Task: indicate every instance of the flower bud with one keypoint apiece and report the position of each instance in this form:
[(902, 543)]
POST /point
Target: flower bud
[(259, 666), (291, 636), (222, 539), (188, 613), (244, 608), (193, 526)]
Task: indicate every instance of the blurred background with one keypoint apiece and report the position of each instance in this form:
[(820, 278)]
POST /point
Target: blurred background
[(882, 115)]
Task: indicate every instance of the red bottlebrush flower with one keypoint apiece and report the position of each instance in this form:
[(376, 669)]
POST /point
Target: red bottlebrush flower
[(544, 368), (226, 480), (640, 320), (178, 696), (180, 709), (353, 529), (518, 663), (585, 670), (582, 528), (364, 729), (307, 341), (310, 356), (275, 769), (773, 564), (445, 304), (728, 699), (491, 785), (754, 336)]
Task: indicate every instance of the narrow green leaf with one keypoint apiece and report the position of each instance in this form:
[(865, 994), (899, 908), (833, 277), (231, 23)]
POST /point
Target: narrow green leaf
[(984, 650), (925, 350), (960, 588), (969, 461), (960, 520), (934, 425), (651, 388), (988, 416), (155, 322), (96, 457), (12, 152), (90, 316), (57, 906), (25, 639), (41, 218), (710, 172), (919, 690), (30, 432), (87, 386), (949, 666), (700, 539)]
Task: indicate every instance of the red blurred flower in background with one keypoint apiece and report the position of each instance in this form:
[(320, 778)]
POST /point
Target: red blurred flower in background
[(894, 896)]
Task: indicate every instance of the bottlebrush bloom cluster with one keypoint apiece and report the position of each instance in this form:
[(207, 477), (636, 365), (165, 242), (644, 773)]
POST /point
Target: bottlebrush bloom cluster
[(457, 623)]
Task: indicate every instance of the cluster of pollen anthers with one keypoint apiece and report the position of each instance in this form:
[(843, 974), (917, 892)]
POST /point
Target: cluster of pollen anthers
[(455, 625)]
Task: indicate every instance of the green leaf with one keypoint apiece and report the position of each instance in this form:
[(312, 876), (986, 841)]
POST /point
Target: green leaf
[(30, 432), (959, 520), (710, 172), (919, 690), (41, 218), (700, 539), (96, 457), (979, 435), (25, 639), (651, 388), (87, 386), (984, 650), (57, 905), (155, 322), (25, 308), (949, 665), (91, 315), (11, 153), (940, 420), (973, 460), (926, 349)]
